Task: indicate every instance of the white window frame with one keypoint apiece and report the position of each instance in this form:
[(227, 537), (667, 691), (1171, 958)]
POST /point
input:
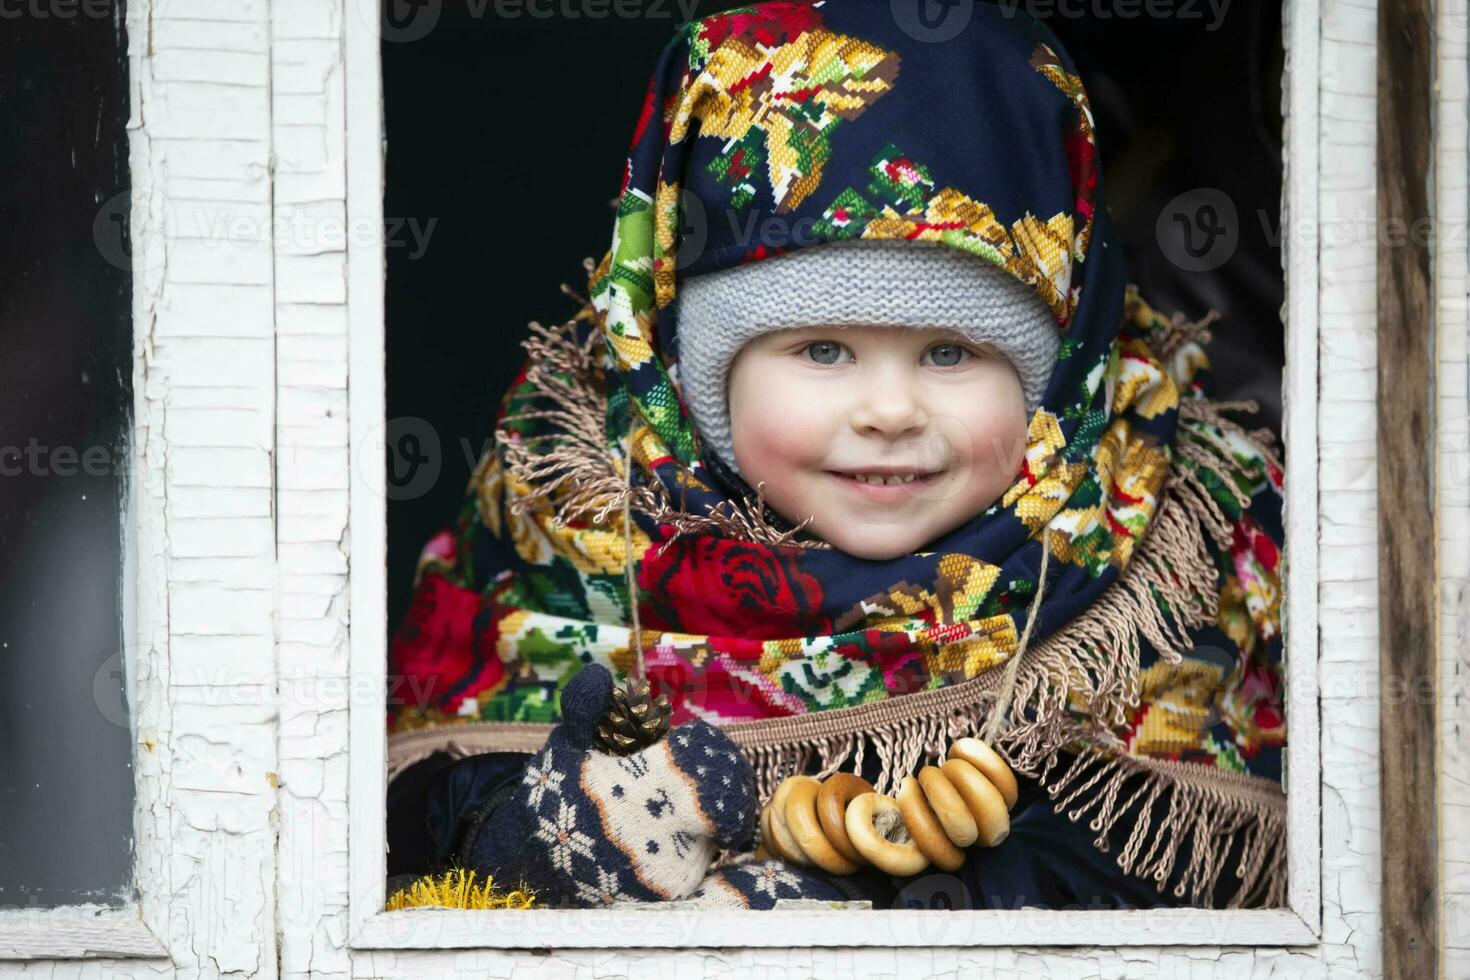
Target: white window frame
[(1299, 923)]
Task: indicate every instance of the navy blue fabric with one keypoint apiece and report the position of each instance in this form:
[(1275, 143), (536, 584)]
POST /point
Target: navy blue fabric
[(1047, 861), (763, 883), (957, 136), (584, 700), (411, 846), (462, 790), (725, 781), (510, 848), (459, 792)]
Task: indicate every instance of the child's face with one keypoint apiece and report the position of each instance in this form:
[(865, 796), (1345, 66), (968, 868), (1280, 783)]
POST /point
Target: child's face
[(809, 404)]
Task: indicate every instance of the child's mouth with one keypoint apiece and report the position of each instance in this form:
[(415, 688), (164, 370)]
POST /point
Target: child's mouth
[(892, 487)]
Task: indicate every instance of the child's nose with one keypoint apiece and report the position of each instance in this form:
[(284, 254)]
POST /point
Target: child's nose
[(891, 407)]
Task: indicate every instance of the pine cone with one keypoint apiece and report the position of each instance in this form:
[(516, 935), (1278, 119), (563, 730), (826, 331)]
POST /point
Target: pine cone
[(635, 719)]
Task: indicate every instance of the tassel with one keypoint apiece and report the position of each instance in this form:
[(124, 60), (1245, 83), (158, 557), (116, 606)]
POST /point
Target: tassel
[(456, 889)]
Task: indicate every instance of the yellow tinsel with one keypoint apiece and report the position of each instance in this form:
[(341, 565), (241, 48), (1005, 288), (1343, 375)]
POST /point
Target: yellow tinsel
[(456, 889)]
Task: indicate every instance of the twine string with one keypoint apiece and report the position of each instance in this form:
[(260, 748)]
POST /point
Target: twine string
[(629, 560), (1013, 669)]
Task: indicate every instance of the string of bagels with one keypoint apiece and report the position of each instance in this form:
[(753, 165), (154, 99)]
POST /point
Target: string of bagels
[(841, 824)]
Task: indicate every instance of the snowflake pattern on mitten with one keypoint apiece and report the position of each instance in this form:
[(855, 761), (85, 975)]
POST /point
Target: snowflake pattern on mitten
[(757, 885), (588, 828)]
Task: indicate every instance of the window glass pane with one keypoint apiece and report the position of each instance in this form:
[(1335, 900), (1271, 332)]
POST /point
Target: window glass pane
[(66, 779)]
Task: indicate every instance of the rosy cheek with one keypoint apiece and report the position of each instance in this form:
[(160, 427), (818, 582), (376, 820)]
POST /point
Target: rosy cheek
[(1009, 441), (998, 444), (769, 437)]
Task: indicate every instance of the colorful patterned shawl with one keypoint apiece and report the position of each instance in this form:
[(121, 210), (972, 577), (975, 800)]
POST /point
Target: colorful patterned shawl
[(1152, 673)]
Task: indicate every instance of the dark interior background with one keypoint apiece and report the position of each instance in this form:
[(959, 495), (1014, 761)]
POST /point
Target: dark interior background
[(66, 777), (510, 134)]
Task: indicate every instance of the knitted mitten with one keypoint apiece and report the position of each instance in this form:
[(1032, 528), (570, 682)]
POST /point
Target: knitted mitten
[(758, 884), (585, 827)]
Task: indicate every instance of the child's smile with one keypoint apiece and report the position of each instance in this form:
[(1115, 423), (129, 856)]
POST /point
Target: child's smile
[(887, 486), (888, 437)]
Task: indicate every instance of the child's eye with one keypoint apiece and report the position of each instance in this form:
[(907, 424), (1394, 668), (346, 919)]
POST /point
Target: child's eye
[(821, 350), (949, 355)]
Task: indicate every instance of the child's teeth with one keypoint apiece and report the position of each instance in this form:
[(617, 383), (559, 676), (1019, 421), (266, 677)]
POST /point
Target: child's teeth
[(878, 478)]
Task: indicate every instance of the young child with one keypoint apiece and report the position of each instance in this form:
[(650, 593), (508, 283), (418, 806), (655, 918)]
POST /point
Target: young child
[(821, 389), (848, 247)]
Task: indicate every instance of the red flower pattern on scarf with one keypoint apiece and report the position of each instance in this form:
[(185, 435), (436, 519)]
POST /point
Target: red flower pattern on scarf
[(442, 654), (714, 587), (771, 25)]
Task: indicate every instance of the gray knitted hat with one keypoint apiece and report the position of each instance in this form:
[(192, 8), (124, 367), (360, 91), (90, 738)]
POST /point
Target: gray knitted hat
[(877, 282)]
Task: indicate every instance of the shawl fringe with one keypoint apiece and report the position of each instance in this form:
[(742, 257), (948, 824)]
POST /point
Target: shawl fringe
[(1092, 662), (580, 479)]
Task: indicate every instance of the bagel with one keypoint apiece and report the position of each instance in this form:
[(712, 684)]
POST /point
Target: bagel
[(768, 837), (782, 840), (954, 815), (984, 801), (875, 827), (800, 812), (832, 799), (990, 764), (924, 827)]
